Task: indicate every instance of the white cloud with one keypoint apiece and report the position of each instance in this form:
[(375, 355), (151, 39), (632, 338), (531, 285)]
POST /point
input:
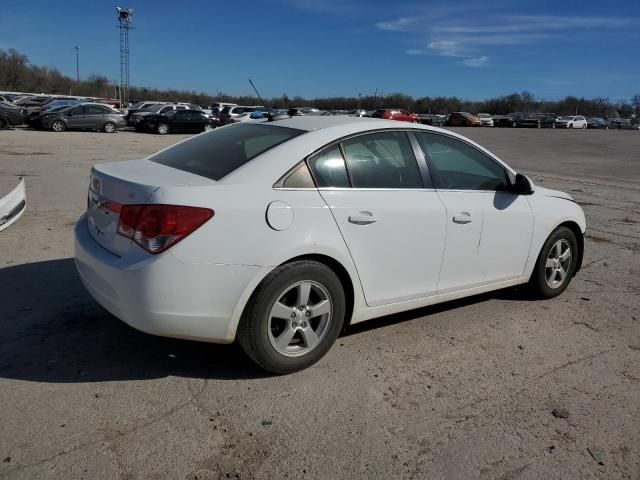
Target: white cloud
[(461, 34), (476, 61), (446, 48), (400, 25)]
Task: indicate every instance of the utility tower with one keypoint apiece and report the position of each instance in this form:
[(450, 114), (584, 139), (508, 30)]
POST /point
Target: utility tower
[(125, 17)]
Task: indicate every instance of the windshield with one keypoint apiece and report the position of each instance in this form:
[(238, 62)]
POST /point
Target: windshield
[(218, 153)]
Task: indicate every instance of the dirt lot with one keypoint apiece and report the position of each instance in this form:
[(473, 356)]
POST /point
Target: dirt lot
[(461, 390)]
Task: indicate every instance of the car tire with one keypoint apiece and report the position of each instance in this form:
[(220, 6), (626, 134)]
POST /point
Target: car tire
[(58, 126), (415, 121), (4, 123), (539, 125), (547, 281), (207, 128), (284, 304), (584, 127), (109, 127), (162, 129), (553, 125), (514, 124)]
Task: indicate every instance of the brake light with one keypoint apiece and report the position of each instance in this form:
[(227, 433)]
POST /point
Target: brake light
[(158, 227)]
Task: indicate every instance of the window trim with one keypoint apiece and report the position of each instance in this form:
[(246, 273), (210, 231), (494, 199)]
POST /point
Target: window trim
[(439, 184)]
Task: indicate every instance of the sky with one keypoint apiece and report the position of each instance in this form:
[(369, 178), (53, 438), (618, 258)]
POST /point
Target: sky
[(473, 49)]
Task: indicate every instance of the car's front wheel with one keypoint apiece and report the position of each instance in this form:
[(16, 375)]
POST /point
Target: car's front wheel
[(293, 317), (162, 129), (556, 264)]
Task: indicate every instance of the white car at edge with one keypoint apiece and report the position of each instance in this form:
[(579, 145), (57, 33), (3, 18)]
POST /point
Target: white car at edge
[(279, 234)]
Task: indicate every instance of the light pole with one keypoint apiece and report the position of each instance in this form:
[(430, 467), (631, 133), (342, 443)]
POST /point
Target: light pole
[(77, 48)]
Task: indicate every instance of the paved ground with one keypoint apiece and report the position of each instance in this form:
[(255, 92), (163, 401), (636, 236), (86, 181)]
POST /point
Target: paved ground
[(462, 390)]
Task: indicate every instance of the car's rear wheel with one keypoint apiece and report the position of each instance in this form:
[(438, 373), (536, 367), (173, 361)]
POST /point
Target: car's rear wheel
[(162, 129), (556, 264), (207, 127), (109, 127), (293, 317), (58, 126)]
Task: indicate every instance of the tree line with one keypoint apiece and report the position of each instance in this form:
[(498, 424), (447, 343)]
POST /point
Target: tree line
[(18, 74)]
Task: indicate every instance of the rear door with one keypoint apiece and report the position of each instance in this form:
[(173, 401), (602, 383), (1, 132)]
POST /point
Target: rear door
[(388, 213), (489, 229), (95, 116)]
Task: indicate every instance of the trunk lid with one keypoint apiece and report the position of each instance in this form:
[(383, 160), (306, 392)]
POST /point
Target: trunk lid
[(112, 185)]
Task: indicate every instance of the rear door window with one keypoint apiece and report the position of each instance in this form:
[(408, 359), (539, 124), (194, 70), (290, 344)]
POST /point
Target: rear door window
[(382, 160), (218, 153)]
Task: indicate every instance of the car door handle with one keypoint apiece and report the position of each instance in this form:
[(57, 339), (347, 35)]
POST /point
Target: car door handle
[(463, 217), (362, 218)]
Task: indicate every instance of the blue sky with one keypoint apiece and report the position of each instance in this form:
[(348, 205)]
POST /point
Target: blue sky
[(470, 48)]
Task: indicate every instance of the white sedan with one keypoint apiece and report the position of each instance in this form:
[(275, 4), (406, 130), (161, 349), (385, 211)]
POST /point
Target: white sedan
[(577, 121), (279, 234)]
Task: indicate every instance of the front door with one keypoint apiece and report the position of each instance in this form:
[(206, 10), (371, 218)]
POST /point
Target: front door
[(77, 118), (389, 215), (489, 229)]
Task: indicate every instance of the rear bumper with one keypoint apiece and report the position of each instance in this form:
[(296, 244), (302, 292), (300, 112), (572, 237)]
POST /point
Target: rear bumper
[(160, 294)]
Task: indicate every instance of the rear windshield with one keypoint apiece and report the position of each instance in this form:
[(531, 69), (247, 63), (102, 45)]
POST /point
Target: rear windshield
[(218, 153)]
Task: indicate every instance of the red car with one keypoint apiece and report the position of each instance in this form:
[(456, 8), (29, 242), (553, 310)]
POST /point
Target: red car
[(396, 114)]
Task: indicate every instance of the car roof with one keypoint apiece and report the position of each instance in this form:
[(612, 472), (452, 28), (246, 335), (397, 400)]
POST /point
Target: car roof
[(317, 122)]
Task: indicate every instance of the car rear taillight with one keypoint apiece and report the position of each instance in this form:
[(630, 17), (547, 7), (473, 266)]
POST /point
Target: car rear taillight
[(158, 227)]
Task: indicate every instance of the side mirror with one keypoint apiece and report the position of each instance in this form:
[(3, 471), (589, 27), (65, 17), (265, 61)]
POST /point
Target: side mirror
[(521, 185)]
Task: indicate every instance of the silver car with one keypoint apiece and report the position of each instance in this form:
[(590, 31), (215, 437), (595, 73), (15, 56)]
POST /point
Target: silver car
[(88, 116)]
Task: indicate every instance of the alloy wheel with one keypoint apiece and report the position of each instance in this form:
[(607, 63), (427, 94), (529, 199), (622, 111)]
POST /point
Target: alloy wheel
[(558, 263), (299, 318), (57, 126)]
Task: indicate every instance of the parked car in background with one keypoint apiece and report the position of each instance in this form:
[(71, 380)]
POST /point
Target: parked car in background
[(161, 109), (56, 105), (358, 113), (575, 121), (537, 120), (486, 120), (509, 120), (279, 234), (36, 120), (230, 112), (140, 107), (10, 115), (597, 122), (396, 114), (33, 100), (432, 119), (462, 119), (628, 124), (88, 116), (177, 121)]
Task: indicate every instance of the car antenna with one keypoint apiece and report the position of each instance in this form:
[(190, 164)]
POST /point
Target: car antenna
[(270, 116)]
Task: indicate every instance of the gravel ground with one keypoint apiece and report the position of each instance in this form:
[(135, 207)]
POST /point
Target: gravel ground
[(460, 390)]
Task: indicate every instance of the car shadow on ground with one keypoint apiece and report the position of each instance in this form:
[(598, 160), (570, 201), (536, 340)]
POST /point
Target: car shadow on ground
[(51, 330)]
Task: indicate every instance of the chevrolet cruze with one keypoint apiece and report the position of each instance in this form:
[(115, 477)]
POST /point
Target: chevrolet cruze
[(279, 234)]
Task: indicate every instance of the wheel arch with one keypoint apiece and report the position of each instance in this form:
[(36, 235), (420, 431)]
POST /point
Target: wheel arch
[(343, 276), (575, 228), (336, 266)]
